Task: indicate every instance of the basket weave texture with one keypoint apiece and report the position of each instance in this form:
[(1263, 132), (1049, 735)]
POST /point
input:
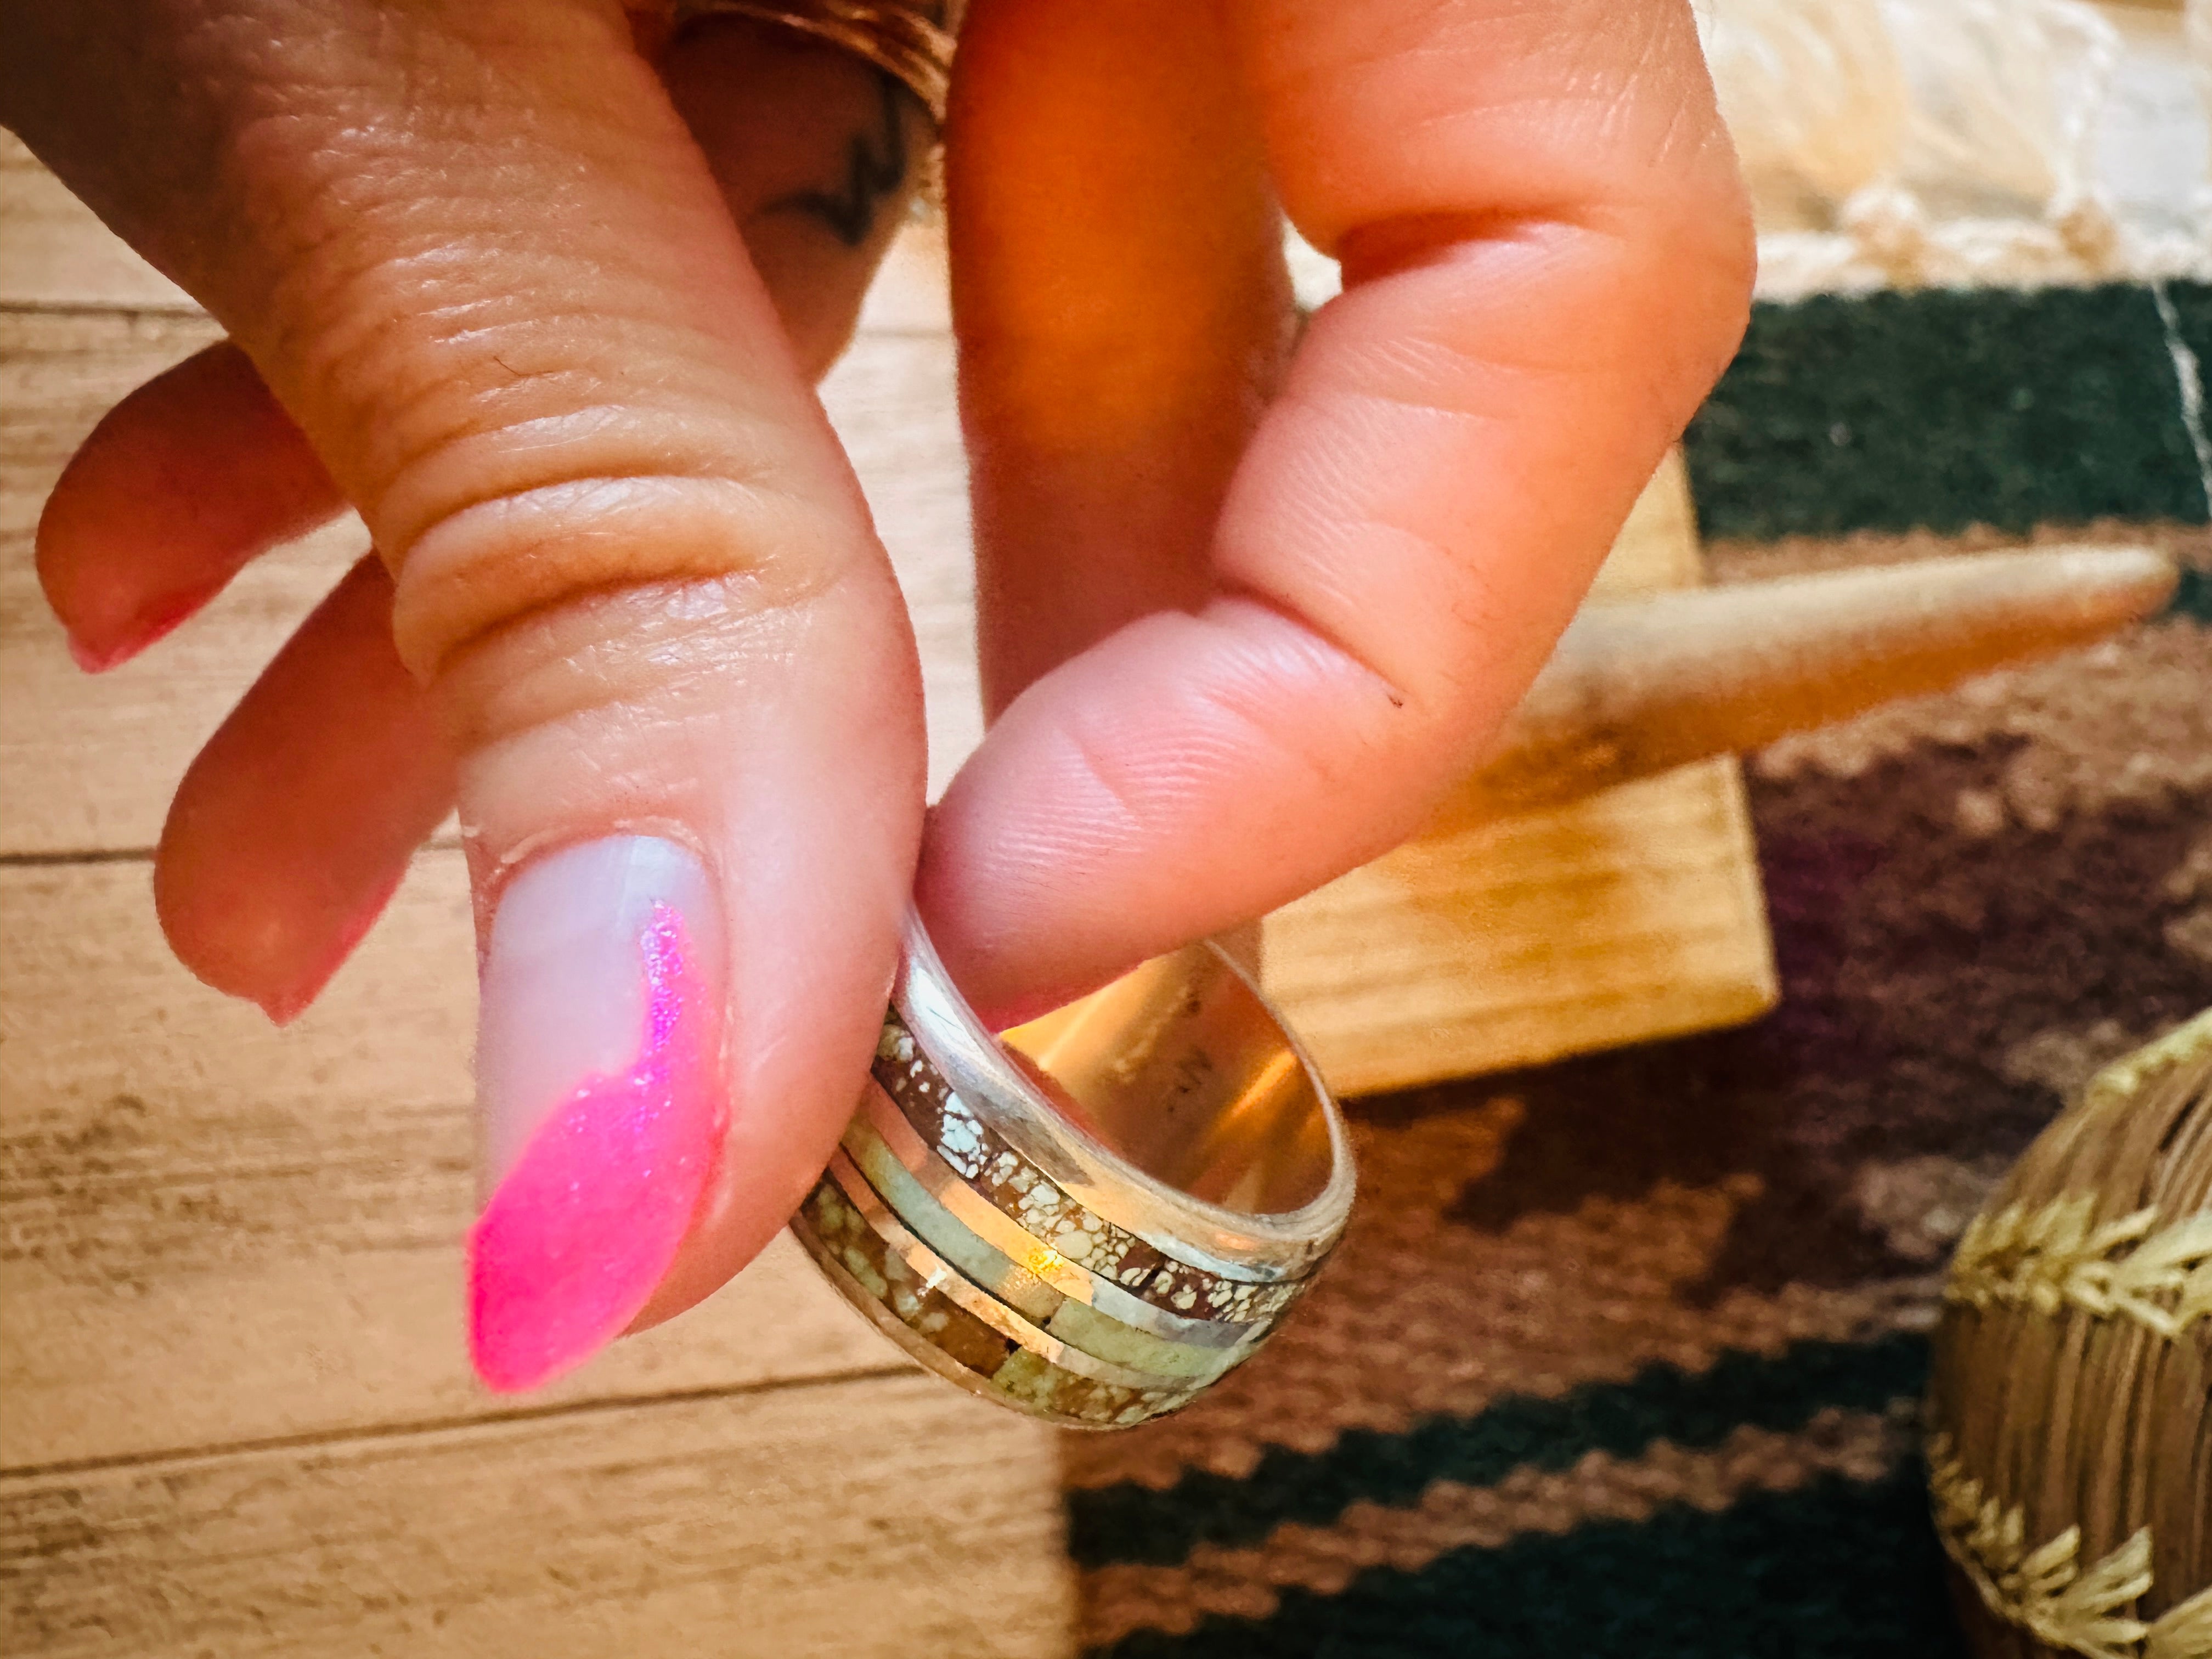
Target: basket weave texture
[(2069, 1413)]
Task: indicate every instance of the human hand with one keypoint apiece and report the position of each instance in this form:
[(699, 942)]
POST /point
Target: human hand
[(1244, 614)]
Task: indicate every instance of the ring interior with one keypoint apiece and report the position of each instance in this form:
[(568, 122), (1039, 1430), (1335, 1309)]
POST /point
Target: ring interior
[(1181, 1068)]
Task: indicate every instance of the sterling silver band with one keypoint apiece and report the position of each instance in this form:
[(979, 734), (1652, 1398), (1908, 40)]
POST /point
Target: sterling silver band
[(1096, 1217)]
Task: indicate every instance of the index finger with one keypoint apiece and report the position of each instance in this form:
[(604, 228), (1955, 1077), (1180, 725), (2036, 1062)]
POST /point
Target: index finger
[(1547, 262)]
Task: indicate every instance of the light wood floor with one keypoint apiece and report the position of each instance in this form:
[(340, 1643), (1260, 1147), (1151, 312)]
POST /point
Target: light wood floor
[(235, 1417)]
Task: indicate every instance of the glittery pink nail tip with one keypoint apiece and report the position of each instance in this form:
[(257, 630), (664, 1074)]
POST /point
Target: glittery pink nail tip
[(586, 1223)]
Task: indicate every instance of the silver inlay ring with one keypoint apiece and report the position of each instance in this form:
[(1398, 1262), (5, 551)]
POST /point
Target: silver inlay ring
[(1095, 1216)]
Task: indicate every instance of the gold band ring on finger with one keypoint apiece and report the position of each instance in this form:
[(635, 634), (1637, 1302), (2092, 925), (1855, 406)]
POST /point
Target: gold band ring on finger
[(910, 42), (1095, 1219)]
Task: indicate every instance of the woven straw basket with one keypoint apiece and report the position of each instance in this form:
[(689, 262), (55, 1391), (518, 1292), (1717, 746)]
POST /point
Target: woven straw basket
[(2069, 1415)]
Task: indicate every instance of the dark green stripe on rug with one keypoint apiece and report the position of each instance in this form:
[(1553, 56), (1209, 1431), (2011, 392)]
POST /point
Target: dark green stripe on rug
[(1692, 1409), (2192, 597), (1943, 409), (1831, 1571)]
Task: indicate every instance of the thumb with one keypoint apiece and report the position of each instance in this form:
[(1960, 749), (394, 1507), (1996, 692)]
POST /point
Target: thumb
[(479, 258)]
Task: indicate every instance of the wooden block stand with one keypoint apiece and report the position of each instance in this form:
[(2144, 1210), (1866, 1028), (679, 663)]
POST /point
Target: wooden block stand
[(1633, 915)]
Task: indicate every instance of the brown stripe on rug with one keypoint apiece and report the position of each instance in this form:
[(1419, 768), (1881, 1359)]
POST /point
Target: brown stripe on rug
[(1248, 1582)]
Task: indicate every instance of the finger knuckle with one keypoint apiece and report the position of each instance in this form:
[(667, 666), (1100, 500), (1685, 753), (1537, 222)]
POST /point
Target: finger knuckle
[(493, 561)]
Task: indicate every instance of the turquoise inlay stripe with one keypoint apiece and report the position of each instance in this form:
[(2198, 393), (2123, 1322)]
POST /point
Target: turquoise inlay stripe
[(1831, 1571), (1100, 1335), (1129, 1523), (1946, 407)]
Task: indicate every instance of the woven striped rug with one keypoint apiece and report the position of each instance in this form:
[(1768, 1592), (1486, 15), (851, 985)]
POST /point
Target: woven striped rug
[(1621, 1355)]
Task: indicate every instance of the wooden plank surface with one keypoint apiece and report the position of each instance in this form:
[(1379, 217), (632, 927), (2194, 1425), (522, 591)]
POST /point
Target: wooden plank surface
[(89, 760), (1634, 915), (879, 1518), (218, 1231), (53, 252)]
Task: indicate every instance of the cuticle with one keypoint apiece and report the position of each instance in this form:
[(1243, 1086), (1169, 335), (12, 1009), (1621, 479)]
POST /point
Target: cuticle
[(491, 889)]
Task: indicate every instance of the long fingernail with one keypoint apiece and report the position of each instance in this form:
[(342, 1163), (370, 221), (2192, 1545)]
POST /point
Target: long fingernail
[(599, 1087)]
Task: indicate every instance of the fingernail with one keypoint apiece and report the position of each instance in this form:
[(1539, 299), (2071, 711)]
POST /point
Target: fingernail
[(600, 1098), (160, 621), (286, 1003)]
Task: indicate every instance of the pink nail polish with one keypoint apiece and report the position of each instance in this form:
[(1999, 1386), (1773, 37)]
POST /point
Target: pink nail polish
[(598, 1081)]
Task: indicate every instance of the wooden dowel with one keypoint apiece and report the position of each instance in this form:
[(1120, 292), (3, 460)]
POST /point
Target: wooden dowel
[(1641, 687)]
